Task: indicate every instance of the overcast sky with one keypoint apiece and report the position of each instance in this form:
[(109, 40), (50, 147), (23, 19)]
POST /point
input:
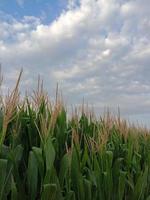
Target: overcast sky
[(96, 49)]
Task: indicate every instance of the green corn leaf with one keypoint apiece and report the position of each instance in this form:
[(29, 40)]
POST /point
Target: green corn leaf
[(76, 175), (49, 192), (14, 195), (32, 176), (108, 177), (39, 157), (5, 151), (130, 181), (117, 166), (17, 154), (49, 154), (109, 159), (129, 152), (55, 180), (87, 189), (121, 189), (50, 157), (148, 198), (85, 158), (140, 185), (3, 173), (70, 196), (64, 167)]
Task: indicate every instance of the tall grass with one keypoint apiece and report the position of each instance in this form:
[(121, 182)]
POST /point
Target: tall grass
[(44, 155)]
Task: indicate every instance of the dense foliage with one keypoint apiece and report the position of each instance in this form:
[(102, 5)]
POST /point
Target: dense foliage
[(44, 155)]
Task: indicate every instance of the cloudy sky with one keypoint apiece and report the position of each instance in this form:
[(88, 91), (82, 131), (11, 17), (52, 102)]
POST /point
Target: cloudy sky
[(96, 49)]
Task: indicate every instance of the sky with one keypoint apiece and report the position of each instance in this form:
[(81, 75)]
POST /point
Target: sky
[(98, 50)]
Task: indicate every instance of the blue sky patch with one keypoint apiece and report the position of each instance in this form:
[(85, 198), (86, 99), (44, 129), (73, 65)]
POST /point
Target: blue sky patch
[(47, 10)]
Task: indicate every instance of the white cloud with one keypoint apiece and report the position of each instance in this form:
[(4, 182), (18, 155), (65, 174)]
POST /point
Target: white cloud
[(97, 49), (106, 53)]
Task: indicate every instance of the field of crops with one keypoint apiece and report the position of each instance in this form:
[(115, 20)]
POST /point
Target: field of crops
[(44, 155)]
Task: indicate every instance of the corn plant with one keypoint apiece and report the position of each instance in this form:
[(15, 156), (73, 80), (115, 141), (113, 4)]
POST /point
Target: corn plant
[(46, 155)]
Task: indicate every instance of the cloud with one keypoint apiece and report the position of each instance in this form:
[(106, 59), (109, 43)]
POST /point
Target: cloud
[(96, 49)]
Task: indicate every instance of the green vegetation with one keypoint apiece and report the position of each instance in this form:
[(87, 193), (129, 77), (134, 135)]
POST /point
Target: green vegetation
[(44, 155)]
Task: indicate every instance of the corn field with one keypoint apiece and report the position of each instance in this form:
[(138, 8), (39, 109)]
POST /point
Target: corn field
[(46, 155)]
